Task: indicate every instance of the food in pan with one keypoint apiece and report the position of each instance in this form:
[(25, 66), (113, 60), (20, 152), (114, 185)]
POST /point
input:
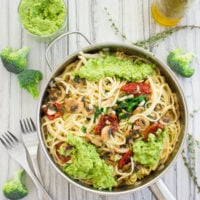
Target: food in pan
[(110, 119)]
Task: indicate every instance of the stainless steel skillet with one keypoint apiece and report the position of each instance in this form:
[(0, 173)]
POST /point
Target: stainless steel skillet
[(153, 181)]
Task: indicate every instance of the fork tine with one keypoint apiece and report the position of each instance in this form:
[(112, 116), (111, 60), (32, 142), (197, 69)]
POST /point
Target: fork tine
[(13, 137), (2, 139), (33, 125), (6, 140), (29, 125), (25, 126), (22, 127)]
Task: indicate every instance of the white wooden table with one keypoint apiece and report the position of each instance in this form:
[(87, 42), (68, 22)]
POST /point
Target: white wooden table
[(133, 17)]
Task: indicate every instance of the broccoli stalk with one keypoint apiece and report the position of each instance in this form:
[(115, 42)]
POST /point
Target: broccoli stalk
[(28, 80), (180, 62), (14, 60), (15, 189)]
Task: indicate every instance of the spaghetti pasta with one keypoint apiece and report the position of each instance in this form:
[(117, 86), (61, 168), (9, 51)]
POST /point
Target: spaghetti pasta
[(111, 120)]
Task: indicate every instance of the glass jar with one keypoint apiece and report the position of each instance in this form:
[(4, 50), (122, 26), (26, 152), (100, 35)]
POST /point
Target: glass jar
[(44, 19), (169, 12)]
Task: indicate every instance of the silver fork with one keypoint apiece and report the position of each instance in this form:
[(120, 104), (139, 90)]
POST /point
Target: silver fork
[(17, 151), (31, 143)]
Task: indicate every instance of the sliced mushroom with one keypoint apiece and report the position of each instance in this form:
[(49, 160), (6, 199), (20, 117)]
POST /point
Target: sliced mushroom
[(141, 124), (87, 106), (167, 118), (94, 139), (57, 93), (73, 106), (135, 135), (106, 132)]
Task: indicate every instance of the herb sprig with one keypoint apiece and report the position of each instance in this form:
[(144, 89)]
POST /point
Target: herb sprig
[(189, 160), (195, 111), (152, 40)]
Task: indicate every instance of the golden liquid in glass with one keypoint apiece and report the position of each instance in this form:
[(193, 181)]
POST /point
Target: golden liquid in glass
[(168, 12), (161, 19)]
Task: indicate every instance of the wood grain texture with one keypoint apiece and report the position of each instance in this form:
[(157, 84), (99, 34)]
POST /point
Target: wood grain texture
[(133, 17)]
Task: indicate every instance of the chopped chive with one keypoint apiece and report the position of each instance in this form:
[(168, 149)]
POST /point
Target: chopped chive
[(83, 129)]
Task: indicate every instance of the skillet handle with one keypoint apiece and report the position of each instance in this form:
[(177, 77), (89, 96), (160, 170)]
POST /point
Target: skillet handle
[(58, 38), (160, 191)]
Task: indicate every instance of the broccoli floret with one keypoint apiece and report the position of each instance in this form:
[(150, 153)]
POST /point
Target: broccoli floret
[(28, 80), (16, 189), (180, 62), (14, 60)]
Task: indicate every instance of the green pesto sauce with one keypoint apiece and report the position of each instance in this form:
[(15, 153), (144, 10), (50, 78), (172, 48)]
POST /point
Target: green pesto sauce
[(148, 153), (42, 17), (86, 164), (113, 66)]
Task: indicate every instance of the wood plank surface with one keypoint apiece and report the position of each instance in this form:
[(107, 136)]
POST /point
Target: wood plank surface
[(133, 17)]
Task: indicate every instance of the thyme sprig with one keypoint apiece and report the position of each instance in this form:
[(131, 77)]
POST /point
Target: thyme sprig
[(114, 26), (152, 40), (190, 160), (195, 111)]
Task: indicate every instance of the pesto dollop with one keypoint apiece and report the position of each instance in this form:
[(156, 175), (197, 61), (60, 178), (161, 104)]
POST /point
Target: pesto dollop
[(86, 164), (111, 65), (148, 153), (42, 17)]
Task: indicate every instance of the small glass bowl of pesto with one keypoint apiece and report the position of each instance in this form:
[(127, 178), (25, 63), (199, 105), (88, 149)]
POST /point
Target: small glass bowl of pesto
[(43, 19)]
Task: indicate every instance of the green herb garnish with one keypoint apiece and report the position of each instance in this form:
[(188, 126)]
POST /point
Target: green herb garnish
[(194, 112), (152, 40), (76, 79), (125, 107), (98, 111), (189, 160), (83, 129)]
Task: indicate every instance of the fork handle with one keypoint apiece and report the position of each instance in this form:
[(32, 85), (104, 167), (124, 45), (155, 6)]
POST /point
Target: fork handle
[(42, 193), (36, 168)]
